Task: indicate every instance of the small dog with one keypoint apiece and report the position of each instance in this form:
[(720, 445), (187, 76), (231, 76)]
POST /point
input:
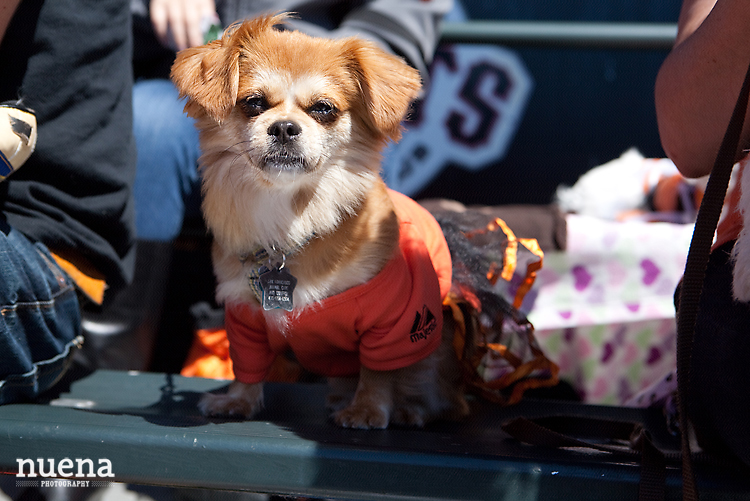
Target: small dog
[(311, 251)]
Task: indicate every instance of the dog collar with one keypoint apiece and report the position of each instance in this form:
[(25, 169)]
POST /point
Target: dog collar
[(261, 255), (272, 284), (267, 277)]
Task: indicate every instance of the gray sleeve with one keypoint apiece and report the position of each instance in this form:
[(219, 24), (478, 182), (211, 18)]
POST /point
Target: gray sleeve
[(408, 28)]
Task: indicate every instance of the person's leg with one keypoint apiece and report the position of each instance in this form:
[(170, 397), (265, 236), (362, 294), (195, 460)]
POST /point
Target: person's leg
[(167, 186), (40, 323)]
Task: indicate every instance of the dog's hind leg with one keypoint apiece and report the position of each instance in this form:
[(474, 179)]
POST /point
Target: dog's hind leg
[(372, 403), (341, 392)]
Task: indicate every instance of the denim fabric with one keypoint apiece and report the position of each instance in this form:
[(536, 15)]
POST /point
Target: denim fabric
[(40, 323), (167, 185)]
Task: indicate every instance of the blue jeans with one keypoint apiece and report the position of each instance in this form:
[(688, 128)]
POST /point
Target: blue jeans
[(40, 322), (167, 185)]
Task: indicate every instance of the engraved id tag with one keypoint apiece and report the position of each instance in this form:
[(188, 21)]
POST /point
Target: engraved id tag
[(278, 286)]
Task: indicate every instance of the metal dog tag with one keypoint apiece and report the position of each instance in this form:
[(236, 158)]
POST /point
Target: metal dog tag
[(278, 287)]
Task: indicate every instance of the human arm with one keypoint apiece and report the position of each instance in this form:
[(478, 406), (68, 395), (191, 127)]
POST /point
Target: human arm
[(698, 83), (179, 22)]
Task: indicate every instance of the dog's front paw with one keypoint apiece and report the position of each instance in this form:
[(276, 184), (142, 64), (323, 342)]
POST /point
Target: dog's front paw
[(227, 405), (363, 417), (241, 400)]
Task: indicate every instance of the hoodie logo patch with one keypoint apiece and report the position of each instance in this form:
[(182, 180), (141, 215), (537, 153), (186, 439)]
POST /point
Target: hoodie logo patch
[(424, 325)]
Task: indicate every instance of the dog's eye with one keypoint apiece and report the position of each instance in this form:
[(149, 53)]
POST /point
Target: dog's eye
[(323, 111), (254, 105)]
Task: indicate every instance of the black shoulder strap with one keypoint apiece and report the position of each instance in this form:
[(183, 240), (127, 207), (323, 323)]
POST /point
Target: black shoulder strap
[(695, 271)]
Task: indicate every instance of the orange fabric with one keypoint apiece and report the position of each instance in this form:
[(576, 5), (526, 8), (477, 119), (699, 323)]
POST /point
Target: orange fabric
[(88, 280), (390, 322), (209, 355), (510, 260), (511, 251), (523, 376), (209, 358), (533, 246), (667, 193), (451, 302)]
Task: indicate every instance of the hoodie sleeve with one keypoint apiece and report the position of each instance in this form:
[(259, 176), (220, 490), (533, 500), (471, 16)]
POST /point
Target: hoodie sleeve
[(249, 348)]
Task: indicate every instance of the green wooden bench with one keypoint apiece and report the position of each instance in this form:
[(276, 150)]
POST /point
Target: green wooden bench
[(148, 428)]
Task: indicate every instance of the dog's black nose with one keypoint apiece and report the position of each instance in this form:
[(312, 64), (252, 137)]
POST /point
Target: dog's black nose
[(284, 131)]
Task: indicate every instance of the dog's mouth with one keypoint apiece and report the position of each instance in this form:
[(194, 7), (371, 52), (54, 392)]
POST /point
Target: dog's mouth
[(284, 162)]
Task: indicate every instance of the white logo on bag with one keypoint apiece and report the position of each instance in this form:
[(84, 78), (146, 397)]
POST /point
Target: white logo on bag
[(476, 101)]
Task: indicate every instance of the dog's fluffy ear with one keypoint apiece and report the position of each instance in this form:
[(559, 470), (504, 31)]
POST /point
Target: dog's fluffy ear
[(209, 77), (388, 85)]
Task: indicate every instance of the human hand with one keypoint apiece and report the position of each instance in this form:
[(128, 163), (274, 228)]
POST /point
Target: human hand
[(179, 23)]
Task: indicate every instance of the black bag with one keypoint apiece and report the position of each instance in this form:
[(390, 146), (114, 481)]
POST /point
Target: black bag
[(712, 343)]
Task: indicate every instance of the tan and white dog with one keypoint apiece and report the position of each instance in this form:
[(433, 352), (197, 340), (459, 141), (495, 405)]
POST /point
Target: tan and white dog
[(305, 230)]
